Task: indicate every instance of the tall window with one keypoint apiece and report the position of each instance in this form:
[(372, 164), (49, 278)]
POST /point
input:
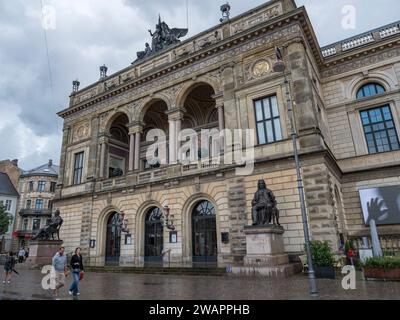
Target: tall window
[(36, 224), (50, 205), (25, 225), (30, 187), (78, 168), (369, 90), (39, 204), (41, 186), (28, 204), (379, 129), (52, 186), (267, 120), (8, 205)]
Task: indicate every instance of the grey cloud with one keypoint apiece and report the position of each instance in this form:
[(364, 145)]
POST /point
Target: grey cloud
[(110, 32)]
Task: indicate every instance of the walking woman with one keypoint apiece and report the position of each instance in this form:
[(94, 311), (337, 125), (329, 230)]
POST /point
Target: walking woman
[(77, 272), (9, 267)]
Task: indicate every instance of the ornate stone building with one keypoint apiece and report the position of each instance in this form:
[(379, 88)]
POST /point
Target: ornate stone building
[(37, 191), (346, 103)]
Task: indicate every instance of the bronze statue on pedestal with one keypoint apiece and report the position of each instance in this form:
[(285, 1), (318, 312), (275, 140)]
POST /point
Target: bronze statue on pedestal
[(264, 210), (52, 227)]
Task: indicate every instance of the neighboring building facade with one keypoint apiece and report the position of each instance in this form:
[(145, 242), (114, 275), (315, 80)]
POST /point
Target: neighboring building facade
[(347, 110), (37, 191), (9, 200), (13, 171)]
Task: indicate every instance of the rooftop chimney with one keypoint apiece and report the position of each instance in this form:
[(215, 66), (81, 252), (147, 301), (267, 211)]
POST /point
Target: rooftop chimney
[(50, 163)]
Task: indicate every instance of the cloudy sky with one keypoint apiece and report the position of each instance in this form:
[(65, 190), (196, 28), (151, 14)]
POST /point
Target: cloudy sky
[(89, 33)]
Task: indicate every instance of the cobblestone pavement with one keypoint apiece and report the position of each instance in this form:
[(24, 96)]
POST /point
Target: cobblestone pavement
[(117, 286)]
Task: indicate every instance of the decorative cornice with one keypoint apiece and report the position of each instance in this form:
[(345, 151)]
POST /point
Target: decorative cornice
[(360, 60)]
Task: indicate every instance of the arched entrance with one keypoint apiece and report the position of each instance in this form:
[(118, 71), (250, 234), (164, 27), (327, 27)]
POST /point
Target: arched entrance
[(113, 240), (153, 236), (204, 233)]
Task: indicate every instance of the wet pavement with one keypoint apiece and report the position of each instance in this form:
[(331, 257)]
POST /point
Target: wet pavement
[(117, 286)]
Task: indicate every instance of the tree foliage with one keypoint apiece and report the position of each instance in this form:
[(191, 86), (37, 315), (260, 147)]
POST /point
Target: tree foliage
[(5, 220)]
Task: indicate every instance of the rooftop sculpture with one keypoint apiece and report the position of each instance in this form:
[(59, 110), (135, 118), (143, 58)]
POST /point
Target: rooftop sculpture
[(162, 38)]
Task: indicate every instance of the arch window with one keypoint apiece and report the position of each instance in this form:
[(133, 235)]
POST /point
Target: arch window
[(369, 90)]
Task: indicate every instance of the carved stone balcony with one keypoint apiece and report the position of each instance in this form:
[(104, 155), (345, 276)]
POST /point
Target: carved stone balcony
[(156, 175)]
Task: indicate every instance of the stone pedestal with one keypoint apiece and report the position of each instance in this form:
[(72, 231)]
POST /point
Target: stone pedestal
[(41, 252), (265, 254)]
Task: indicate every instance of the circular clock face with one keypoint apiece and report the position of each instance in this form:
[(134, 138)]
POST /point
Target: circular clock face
[(260, 68)]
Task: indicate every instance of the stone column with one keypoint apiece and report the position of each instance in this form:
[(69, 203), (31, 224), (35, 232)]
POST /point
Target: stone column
[(135, 129), (228, 96), (221, 123), (92, 168), (137, 150), (63, 158), (175, 117), (131, 151), (302, 95), (178, 143), (172, 144), (103, 141)]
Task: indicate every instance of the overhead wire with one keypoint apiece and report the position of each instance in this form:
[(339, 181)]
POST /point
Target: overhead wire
[(49, 67)]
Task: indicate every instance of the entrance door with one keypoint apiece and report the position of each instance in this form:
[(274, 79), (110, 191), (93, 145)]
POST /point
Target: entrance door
[(153, 237), (204, 232), (113, 240)]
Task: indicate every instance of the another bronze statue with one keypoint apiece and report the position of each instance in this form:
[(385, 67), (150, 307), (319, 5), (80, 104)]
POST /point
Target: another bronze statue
[(52, 227), (162, 37), (264, 209)]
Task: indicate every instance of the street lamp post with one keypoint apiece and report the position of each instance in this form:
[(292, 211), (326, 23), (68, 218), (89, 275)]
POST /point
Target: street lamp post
[(279, 66)]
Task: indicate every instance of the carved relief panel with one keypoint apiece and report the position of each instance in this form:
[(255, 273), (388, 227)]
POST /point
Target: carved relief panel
[(258, 68), (258, 17), (81, 131)]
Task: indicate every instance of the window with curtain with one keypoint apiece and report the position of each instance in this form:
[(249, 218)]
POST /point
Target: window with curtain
[(369, 90), (267, 120), (379, 129)]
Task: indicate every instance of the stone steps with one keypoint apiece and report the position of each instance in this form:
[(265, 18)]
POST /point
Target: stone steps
[(160, 270)]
